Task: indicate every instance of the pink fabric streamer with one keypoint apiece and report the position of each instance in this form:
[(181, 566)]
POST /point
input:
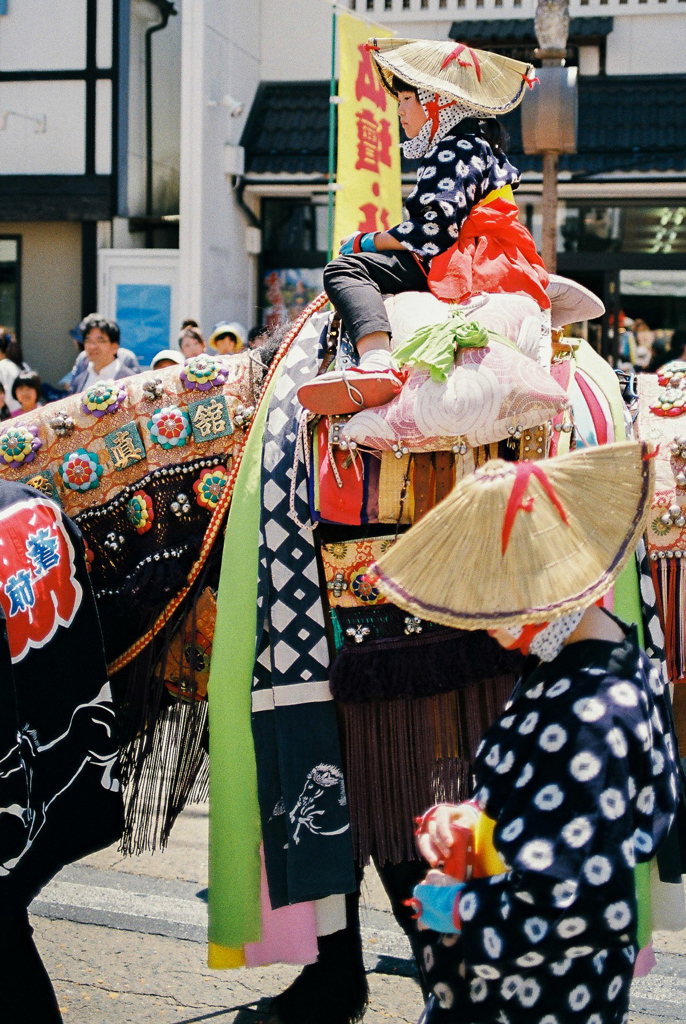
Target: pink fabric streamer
[(645, 961), (289, 934)]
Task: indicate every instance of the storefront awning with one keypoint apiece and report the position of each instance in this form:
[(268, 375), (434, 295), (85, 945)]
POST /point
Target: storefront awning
[(287, 131), (521, 31), (628, 125)]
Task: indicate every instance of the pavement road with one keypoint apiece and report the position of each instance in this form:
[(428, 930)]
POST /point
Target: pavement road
[(124, 941)]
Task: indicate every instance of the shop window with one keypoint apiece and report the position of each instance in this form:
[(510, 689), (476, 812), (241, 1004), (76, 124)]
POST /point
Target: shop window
[(10, 279), (295, 242), (654, 230)]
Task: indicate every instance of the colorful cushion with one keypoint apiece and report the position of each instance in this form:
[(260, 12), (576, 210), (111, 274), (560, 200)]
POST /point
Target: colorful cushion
[(517, 317), (493, 393)]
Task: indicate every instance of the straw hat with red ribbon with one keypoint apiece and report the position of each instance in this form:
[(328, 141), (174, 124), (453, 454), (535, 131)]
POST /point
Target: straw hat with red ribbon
[(489, 83), (517, 543)]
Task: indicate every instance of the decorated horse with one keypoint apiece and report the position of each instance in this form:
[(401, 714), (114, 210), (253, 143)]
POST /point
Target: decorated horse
[(229, 537)]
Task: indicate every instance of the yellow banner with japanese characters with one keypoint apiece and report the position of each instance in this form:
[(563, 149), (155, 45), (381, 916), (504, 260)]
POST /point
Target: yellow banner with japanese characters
[(368, 196)]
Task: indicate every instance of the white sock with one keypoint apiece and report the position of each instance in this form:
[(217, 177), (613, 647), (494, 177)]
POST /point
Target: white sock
[(377, 359)]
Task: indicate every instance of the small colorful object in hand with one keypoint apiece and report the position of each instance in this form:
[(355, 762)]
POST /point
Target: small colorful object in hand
[(203, 372), (81, 470), (139, 512), (18, 446), (169, 427), (672, 373), (672, 402), (209, 486), (103, 397)]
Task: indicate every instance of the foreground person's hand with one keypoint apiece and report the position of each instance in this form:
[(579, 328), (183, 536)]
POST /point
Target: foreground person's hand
[(434, 836)]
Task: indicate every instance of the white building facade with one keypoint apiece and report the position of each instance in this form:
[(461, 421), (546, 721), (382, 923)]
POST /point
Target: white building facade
[(230, 204)]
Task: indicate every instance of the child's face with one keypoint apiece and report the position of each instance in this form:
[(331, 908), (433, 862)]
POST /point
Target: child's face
[(226, 344), (2, 399), (27, 397), (411, 114)]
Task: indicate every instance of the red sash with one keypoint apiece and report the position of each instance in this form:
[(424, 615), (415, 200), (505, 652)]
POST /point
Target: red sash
[(494, 253)]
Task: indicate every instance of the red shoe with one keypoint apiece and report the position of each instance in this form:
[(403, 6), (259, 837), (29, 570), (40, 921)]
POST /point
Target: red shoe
[(341, 392)]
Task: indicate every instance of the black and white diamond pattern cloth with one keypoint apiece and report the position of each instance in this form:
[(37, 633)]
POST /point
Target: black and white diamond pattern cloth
[(305, 824)]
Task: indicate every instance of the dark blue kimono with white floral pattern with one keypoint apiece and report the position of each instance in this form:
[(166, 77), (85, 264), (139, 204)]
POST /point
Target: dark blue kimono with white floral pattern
[(580, 775), (457, 173)]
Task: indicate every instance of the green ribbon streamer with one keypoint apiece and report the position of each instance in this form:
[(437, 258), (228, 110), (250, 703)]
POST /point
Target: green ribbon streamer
[(235, 833)]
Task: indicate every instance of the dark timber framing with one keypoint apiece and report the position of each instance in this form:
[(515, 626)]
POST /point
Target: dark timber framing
[(58, 196), (18, 239)]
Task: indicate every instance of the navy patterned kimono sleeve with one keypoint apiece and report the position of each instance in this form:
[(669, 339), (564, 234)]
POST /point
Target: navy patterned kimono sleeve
[(456, 174), (580, 776)]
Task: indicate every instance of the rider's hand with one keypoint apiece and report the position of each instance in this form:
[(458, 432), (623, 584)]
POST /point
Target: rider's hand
[(435, 839), (357, 243), (347, 244)]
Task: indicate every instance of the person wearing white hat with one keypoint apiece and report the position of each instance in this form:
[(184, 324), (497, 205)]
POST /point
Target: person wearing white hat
[(227, 337), (167, 357)]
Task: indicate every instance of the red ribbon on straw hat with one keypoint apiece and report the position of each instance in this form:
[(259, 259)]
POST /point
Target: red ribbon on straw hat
[(516, 502), (455, 55)]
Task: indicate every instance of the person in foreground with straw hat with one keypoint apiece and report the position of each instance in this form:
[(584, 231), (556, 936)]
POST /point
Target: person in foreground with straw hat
[(578, 777), (460, 235)]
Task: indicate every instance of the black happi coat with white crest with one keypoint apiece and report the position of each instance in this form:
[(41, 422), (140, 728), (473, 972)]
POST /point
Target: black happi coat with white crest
[(60, 794)]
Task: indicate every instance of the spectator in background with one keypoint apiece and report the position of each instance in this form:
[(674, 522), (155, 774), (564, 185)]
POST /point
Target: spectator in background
[(189, 322), (675, 350), (166, 357), (227, 338), (126, 357), (191, 342), (5, 414), (101, 344), (11, 365), (257, 336), (26, 390)]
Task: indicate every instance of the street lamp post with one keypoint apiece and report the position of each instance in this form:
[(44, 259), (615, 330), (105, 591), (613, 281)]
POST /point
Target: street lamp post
[(549, 119)]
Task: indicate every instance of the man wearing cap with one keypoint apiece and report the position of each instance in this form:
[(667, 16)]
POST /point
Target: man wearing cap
[(166, 357)]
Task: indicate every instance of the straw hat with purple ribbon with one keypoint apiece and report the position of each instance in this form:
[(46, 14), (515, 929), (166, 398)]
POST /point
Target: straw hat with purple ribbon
[(517, 543)]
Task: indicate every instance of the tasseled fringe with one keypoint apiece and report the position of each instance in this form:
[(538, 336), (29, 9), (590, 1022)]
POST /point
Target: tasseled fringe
[(163, 740), (433, 663), (669, 578), (403, 756), (170, 773)]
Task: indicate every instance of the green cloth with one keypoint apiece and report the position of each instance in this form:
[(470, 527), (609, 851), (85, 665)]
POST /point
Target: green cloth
[(235, 833), (434, 346), (644, 923)]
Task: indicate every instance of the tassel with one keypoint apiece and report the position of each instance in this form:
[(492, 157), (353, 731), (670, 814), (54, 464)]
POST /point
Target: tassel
[(403, 756)]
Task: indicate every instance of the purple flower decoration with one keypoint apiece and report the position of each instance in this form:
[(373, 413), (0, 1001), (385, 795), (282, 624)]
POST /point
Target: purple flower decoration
[(103, 397), (18, 446), (203, 372)]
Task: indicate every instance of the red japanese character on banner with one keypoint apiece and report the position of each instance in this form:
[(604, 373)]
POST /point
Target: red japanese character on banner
[(367, 84), (373, 219), (373, 142), (38, 587)]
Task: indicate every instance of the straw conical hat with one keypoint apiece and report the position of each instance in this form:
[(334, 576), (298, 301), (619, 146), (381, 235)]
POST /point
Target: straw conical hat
[(460, 567), (489, 82)]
